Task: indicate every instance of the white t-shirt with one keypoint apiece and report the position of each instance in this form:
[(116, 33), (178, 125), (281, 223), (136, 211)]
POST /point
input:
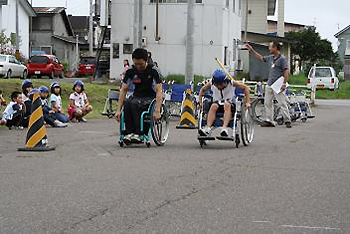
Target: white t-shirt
[(57, 99), (9, 111), (79, 99), (228, 93)]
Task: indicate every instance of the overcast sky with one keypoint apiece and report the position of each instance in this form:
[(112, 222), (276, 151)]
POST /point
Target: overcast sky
[(328, 15)]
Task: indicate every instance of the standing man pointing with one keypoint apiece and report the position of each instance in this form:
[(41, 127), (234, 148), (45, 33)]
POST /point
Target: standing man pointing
[(279, 68)]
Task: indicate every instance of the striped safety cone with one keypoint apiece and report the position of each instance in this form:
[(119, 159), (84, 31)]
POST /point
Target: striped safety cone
[(37, 134), (187, 116)]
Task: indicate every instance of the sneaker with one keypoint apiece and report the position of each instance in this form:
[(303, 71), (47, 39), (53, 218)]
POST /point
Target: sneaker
[(60, 124), (268, 124), (205, 132), (289, 124), (74, 120), (82, 120), (135, 138), (127, 139), (224, 132)]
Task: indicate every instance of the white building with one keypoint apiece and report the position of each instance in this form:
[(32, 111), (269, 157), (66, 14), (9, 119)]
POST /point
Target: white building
[(8, 22), (217, 32)]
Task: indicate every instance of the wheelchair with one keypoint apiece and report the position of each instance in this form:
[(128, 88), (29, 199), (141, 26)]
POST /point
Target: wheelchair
[(242, 124), (112, 96), (158, 130)]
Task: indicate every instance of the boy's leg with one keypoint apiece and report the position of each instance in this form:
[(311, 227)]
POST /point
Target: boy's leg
[(50, 121), (15, 121), (227, 114), (269, 95), (138, 108), (128, 116), (61, 117), (212, 114)]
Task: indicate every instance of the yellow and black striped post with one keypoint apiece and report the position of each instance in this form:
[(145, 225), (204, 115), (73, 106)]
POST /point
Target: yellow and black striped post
[(187, 116), (37, 134)]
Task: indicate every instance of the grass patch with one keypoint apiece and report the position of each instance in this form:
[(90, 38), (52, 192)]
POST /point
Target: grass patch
[(96, 93), (342, 93), (300, 79)]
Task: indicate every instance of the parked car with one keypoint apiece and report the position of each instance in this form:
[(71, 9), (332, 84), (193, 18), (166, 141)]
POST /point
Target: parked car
[(323, 78), (11, 67), (87, 66), (45, 65)]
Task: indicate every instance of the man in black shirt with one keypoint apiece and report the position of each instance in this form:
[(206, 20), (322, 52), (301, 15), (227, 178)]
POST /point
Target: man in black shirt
[(147, 86)]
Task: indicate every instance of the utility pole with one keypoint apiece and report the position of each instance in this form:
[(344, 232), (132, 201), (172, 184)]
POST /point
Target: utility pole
[(136, 4), (190, 42), (17, 31), (77, 57), (139, 38), (91, 30), (246, 20)]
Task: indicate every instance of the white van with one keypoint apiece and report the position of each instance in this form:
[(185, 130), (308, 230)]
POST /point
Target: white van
[(323, 78)]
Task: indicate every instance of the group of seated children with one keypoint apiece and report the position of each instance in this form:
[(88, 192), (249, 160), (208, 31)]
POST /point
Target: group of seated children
[(18, 111)]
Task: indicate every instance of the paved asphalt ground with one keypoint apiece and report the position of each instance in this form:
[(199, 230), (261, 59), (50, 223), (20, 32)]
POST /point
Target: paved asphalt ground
[(287, 181)]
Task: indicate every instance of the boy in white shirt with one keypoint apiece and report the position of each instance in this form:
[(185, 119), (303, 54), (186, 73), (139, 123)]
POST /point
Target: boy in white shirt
[(13, 113), (223, 96), (79, 105)]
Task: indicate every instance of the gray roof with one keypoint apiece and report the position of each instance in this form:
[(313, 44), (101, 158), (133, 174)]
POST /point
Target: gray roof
[(342, 31)]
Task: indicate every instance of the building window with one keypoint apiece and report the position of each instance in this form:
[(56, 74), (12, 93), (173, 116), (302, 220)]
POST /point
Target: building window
[(225, 55), (127, 48), (348, 44), (174, 1), (234, 6), (227, 4), (116, 50)]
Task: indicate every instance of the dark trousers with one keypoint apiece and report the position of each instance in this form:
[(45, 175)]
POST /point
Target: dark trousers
[(15, 121), (133, 108), (26, 115)]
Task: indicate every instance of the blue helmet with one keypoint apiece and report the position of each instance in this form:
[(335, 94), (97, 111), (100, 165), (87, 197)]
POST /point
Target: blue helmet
[(78, 83), (43, 89), (219, 77), (26, 84)]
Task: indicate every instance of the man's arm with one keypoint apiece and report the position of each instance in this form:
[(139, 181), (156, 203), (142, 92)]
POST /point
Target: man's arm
[(246, 92), (159, 100), (122, 96), (256, 54), (286, 77)]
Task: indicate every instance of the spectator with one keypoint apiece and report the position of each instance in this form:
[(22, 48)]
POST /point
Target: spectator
[(13, 113), (49, 114), (79, 105), (150, 60), (27, 87), (126, 66), (56, 102)]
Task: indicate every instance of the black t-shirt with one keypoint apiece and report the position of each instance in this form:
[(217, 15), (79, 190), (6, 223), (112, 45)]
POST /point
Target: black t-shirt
[(143, 81)]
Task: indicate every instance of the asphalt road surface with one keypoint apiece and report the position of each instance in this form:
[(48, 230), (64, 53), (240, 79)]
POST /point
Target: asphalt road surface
[(288, 181)]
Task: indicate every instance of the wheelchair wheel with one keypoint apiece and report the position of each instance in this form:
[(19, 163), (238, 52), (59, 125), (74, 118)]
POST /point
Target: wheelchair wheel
[(258, 111), (247, 127), (160, 129)]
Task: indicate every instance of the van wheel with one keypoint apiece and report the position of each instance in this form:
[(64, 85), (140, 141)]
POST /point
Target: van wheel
[(52, 75), (8, 75), (25, 75)]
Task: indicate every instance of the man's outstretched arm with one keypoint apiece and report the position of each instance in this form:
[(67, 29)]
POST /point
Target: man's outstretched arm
[(256, 54)]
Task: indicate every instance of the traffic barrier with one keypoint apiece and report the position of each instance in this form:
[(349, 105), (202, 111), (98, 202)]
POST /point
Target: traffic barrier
[(187, 116), (37, 134)]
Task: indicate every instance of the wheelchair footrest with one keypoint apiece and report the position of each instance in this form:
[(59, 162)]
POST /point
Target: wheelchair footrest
[(225, 138), (203, 138)]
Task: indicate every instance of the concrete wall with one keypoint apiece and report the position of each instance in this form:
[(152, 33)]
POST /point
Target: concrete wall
[(8, 23), (257, 20), (343, 38), (215, 28), (59, 26)]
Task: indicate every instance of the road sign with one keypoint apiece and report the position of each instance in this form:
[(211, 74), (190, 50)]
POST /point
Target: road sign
[(3, 2)]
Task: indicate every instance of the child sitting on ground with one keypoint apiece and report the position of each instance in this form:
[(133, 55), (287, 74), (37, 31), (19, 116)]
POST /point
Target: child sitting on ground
[(27, 87), (56, 103), (12, 115), (223, 97), (49, 114), (79, 106)]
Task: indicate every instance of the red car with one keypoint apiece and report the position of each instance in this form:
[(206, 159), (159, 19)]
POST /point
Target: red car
[(87, 66), (45, 65)]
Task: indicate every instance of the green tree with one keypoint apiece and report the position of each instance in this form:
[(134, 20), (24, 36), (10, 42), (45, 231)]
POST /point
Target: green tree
[(311, 48), (3, 39)]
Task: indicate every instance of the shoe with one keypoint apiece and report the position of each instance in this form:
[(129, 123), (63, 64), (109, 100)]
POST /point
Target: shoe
[(135, 138), (205, 132), (224, 132), (289, 124), (127, 139), (268, 124), (82, 120), (74, 120), (60, 124)]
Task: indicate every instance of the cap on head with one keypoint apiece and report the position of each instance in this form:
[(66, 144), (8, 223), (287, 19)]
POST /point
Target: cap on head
[(219, 77)]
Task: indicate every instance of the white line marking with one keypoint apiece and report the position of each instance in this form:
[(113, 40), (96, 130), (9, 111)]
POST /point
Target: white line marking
[(307, 227), (261, 222)]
